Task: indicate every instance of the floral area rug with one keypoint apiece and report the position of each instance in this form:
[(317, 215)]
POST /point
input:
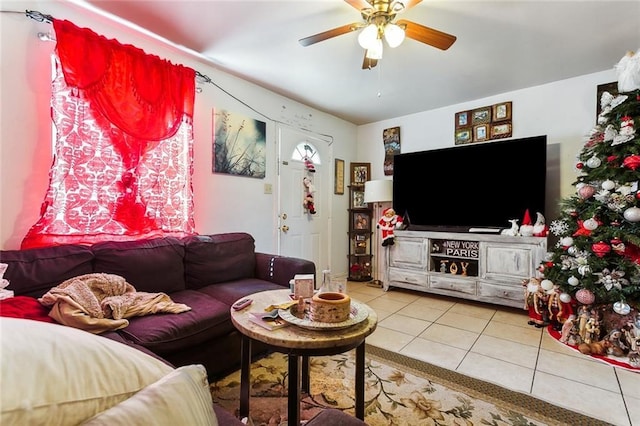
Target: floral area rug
[(398, 391)]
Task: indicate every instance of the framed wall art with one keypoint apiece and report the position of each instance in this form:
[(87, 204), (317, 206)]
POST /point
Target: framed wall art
[(463, 119), (463, 136), (391, 142), (362, 221), (502, 111), (481, 115), (338, 186), (238, 141), (360, 173), (501, 130), (357, 199), (481, 132)]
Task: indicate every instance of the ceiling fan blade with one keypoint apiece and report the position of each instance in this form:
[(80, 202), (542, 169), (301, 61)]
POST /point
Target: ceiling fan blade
[(368, 63), (427, 35), (359, 4), (329, 34), (408, 4)]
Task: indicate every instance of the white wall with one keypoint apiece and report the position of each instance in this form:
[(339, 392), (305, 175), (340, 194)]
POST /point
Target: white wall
[(564, 110), (223, 203)]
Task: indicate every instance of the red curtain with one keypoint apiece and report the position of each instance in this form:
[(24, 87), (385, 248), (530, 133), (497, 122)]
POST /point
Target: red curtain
[(123, 157)]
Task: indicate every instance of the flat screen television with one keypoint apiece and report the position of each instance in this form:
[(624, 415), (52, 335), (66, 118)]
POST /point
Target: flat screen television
[(480, 185)]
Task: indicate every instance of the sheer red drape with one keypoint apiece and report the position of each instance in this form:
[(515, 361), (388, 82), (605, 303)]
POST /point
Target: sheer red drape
[(123, 156)]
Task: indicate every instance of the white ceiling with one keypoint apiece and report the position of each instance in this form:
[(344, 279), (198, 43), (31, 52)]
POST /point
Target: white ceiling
[(501, 46)]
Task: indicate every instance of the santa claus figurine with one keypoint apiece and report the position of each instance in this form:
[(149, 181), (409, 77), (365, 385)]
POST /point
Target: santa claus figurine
[(387, 224)]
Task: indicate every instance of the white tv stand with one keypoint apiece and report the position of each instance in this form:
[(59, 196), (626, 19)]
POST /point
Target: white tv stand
[(486, 268)]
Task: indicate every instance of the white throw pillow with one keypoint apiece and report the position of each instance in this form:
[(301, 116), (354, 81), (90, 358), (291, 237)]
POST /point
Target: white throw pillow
[(58, 375), (180, 398)]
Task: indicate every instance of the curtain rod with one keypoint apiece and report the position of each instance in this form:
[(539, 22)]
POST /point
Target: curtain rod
[(200, 77)]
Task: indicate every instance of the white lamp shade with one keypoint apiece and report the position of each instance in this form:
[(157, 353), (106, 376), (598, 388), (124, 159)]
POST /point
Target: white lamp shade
[(394, 35), (378, 191), (375, 51), (368, 36)]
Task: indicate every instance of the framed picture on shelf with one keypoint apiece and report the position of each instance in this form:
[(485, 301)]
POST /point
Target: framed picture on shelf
[(360, 173), (481, 115), (357, 200), (338, 187), (361, 221), (481, 132), (463, 136), (501, 130), (463, 119), (502, 111)]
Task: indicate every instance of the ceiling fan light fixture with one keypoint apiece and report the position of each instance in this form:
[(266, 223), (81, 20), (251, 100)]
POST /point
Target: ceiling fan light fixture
[(368, 36), (394, 35), (375, 51)]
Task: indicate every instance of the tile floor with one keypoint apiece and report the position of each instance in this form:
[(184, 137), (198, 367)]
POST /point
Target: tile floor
[(496, 344)]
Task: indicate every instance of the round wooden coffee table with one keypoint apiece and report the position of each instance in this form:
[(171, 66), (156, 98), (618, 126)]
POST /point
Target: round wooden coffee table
[(298, 342)]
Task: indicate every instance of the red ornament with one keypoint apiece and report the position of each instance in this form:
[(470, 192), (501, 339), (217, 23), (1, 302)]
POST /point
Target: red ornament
[(632, 162), (579, 165), (601, 248), (586, 191), (584, 296), (638, 195)]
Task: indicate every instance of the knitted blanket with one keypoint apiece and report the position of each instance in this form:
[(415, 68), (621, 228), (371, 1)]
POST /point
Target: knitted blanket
[(100, 302)]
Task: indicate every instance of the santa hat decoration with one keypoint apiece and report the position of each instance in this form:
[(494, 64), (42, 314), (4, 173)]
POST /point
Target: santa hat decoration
[(526, 220)]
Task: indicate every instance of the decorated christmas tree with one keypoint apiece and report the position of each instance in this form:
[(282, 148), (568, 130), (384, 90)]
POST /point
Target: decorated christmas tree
[(595, 265)]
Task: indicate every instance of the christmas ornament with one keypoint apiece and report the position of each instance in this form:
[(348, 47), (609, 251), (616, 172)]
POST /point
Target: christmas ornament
[(638, 195), (631, 162), (584, 270), (593, 162), (566, 241), (617, 246), (586, 191), (565, 297), (584, 296), (573, 281), (608, 185), (546, 284), (632, 214), (579, 165), (621, 308), (600, 248), (590, 224)]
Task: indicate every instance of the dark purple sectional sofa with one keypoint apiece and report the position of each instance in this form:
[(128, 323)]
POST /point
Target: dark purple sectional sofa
[(206, 272)]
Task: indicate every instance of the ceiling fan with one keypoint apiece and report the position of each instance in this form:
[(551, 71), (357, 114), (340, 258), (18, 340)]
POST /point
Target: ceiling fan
[(378, 23)]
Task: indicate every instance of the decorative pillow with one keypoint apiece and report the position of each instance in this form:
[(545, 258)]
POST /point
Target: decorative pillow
[(52, 372), (182, 397), (24, 307)]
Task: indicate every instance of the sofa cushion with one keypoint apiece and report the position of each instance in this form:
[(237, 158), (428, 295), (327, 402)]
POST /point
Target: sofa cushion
[(52, 370), (219, 258), (33, 272), (151, 265), (230, 292), (166, 333)]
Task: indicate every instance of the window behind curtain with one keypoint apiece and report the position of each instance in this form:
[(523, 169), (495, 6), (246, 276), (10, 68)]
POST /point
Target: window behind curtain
[(105, 184)]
